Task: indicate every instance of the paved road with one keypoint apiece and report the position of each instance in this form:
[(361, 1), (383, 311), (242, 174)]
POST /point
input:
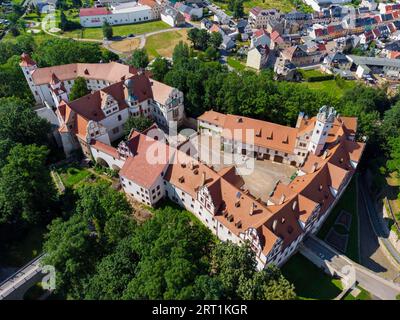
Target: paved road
[(372, 282)]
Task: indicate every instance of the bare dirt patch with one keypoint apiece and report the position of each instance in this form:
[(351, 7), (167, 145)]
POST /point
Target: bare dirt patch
[(125, 46)]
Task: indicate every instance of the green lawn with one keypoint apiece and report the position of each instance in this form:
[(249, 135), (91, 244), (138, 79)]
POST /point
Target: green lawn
[(72, 175), (19, 252), (348, 202), (282, 5), (121, 30), (332, 87), (310, 282), (236, 64), (163, 44), (363, 295)]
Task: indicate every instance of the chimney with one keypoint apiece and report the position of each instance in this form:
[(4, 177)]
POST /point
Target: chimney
[(203, 178), (314, 167), (282, 199), (252, 208), (294, 205), (274, 225)]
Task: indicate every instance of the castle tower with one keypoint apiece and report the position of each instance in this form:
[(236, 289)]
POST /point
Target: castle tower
[(325, 118), (28, 66)]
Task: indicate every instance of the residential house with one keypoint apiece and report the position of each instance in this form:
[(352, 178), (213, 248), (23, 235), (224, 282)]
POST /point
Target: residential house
[(172, 16), (257, 57), (300, 56), (260, 38)]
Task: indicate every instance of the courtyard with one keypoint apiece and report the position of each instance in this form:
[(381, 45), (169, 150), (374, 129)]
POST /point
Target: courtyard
[(259, 176)]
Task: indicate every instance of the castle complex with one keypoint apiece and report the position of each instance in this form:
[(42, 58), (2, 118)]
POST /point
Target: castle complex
[(322, 150)]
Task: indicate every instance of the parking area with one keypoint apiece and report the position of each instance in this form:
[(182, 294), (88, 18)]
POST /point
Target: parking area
[(260, 176)]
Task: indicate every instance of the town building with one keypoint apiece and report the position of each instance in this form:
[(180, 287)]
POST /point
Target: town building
[(299, 55), (319, 5), (189, 11), (118, 13), (264, 19), (257, 57), (370, 65), (172, 16)]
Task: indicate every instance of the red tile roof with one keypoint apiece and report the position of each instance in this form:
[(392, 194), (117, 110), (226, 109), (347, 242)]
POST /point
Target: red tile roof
[(88, 12), (143, 167), (26, 60)]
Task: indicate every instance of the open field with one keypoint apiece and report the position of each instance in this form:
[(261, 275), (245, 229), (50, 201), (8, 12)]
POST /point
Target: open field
[(310, 282), (163, 44), (282, 5), (118, 31), (331, 87), (125, 46)]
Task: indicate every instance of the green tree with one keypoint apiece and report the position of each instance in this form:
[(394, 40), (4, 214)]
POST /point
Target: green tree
[(159, 68), (199, 38), (113, 273), (79, 89), (20, 124), (139, 58), (211, 54), (26, 177), (393, 163), (215, 40), (107, 30), (238, 9), (73, 249), (63, 21), (173, 253), (11, 77), (181, 52), (64, 51), (139, 123), (38, 12)]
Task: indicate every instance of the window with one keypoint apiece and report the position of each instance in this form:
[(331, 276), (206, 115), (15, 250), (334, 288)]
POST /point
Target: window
[(115, 130), (119, 117)]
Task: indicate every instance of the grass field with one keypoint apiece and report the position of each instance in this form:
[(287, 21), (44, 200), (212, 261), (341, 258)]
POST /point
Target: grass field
[(310, 282), (282, 5), (236, 64), (163, 44), (118, 31), (347, 202), (331, 87), (125, 46)]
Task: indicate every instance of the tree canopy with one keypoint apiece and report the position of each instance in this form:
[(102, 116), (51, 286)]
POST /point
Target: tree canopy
[(139, 123), (79, 89), (25, 177), (139, 58)]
